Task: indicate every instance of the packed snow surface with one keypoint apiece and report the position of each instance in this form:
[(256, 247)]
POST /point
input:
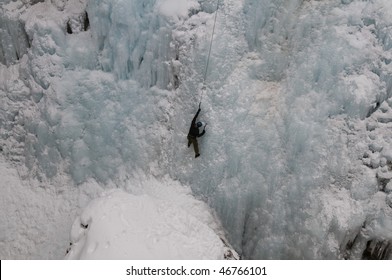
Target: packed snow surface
[(166, 224), (98, 95)]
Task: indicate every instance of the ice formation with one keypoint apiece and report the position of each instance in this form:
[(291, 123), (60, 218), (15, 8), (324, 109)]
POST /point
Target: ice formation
[(296, 161)]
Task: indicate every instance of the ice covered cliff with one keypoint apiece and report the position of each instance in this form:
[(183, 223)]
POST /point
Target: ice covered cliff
[(296, 161)]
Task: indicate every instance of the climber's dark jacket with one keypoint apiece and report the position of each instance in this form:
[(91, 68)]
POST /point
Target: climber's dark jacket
[(194, 130)]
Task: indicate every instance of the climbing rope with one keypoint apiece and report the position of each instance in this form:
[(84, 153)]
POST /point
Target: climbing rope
[(209, 54)]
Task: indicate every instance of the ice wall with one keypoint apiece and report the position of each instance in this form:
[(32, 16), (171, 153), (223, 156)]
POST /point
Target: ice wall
[(292, 92), (281, 112), (13, 40), (84, 90), (134, 43), (71, 113)]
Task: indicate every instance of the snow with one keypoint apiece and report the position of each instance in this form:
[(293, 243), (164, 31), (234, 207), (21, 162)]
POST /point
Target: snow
[(296, 160), (119, 225), (32, 216), (176, 9)]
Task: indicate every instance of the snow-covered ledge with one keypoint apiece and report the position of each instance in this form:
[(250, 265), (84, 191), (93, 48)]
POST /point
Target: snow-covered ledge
[(174, 225)]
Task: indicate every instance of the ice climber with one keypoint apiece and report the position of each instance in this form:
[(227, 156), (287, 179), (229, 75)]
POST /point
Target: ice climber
[(194, 133)]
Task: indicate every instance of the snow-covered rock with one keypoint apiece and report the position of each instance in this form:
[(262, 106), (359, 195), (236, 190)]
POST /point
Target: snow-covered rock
[(119, 225)]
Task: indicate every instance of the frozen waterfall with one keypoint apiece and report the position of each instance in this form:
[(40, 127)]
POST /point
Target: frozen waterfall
[(297, 159)]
